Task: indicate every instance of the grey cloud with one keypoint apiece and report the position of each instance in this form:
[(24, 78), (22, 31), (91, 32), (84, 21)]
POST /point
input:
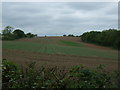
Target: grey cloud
[(60, 18), (89, 6)]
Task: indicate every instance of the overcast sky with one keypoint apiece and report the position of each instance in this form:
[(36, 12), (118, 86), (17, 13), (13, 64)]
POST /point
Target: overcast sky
[(60, 18)]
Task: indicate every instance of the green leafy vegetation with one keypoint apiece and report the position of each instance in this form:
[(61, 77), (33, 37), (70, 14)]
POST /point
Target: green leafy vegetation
[(18, 34), (59, 49), (54, 77), (10, 72), (30, 35), (70, 35), (10, 34), (106, 38), (69, 43)]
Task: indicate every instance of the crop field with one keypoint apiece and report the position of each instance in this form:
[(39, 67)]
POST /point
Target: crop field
[(59, 51)]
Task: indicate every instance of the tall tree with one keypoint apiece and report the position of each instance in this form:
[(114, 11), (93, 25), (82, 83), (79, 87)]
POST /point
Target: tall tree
[(7, 30), (7, 33), (19, 34)]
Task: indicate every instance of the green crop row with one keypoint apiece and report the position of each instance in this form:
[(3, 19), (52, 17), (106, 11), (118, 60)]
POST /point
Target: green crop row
[(71, 49)]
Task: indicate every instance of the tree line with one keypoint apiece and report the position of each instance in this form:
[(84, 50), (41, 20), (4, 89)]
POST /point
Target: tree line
[(8, 33), (106, 38), (70, 35)]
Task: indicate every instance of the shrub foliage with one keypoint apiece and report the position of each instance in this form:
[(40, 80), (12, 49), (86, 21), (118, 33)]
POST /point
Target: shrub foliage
[(54, 77), (10, 34), (106, 38)]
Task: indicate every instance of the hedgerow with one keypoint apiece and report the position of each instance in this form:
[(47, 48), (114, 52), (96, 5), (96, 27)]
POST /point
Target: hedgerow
[(53, 77)]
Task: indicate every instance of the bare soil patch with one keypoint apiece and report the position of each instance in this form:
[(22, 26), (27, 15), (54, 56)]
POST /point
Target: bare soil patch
[(63, 61)]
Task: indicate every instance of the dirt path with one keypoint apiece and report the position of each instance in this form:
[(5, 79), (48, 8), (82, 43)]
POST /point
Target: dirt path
[(66, 61)]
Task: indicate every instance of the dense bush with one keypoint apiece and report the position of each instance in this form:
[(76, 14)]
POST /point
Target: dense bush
[(53, 77), (106, 38), (10, 73), (30, 35)]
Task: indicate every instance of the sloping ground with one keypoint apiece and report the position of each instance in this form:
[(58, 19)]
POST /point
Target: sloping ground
[(63, 61), (61, 45), (55, 40), (60, 51)]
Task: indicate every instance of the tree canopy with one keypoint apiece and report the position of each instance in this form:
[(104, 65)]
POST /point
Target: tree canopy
[(106, 38), (30, 35), (8, 33), (19, 34)]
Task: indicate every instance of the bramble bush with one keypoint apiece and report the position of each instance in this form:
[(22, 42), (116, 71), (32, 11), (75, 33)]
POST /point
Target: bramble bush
[(54, 77)]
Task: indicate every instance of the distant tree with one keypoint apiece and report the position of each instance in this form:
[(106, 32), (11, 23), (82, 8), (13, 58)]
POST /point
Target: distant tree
[(77, 36), (0, 36), (7, 30), (7, 33), (35, 35), (64, 35), (70, 35), (30, 35), (106, 38), (19, 34)]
